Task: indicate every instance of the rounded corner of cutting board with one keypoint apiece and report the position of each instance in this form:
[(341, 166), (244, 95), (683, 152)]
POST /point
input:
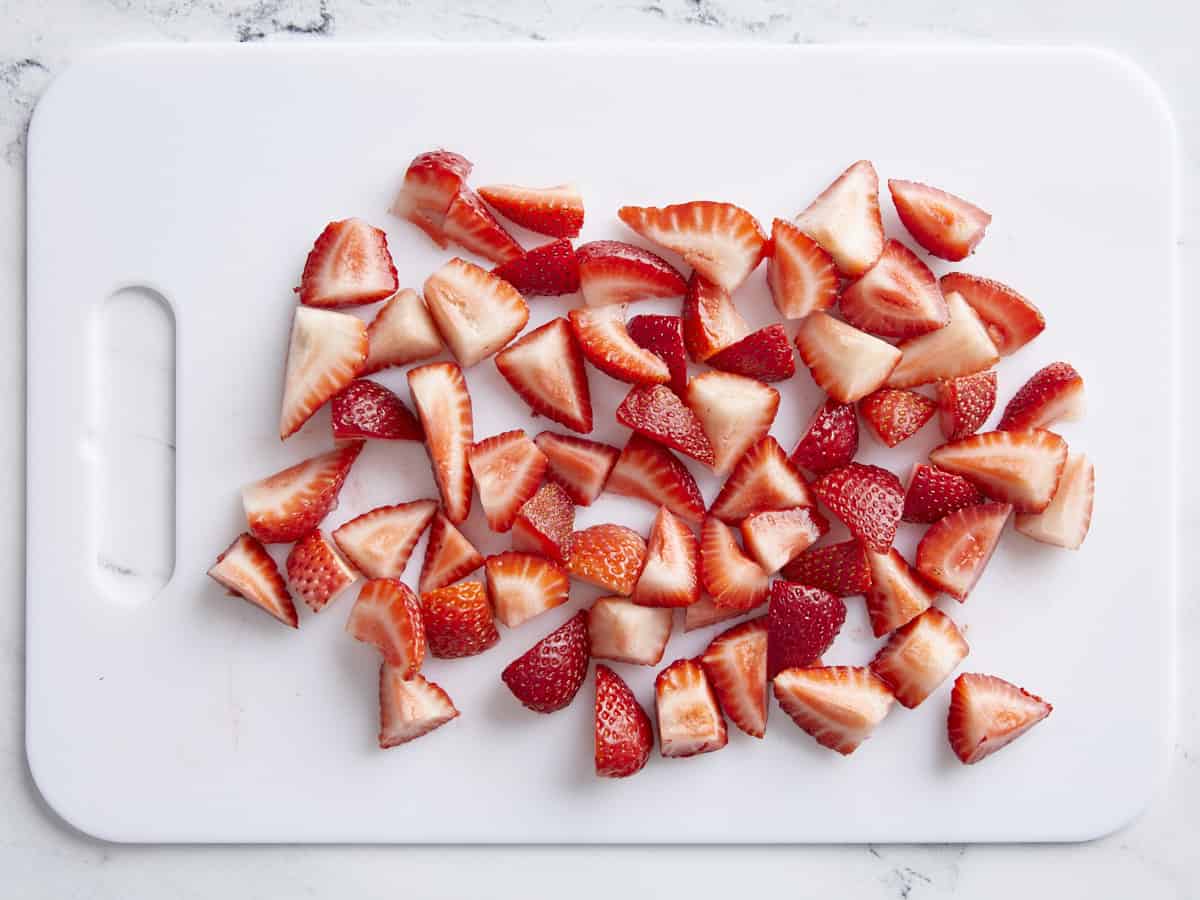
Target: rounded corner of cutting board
[(65, 803)]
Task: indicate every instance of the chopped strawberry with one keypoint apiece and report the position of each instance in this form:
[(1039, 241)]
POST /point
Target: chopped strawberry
[(845, 219), (895, 415), (326, 352), (776, 537), (897, 594), (657, 412), (736, 665), (960, 348), (945, 225), (380, 542), (546, 370), (669, 574), (349, 265), (366, 409), (1011, 320), (458, 620), (246, 570), (409, 707), (624, 736), (733, 579), (663, 336), (933, 494), (623, 631), (476, 312), (547, 677), (830, 440), (439, 393), (955, 550), (845, 363), (841, 569), (704, 612), (689, 719), (606, 343), (316, 571), (765, 354), (579, 466), (897, 297), (402, 332), (284, 507), (556, 211), (449, 556), (1052, 394), (608, 556), (522, 586), (431, 183), (1018, 467), (736, 413), (802, 622), (544, 524), (614, 272), (867, 499), (964, 403), (839, 706), (920, 656), (988, 713), (710, 320), (1065, 522), (764, 479), (471, 225), (648, 471), (801, 275), (508, 470), (388, 615), (550, 270)]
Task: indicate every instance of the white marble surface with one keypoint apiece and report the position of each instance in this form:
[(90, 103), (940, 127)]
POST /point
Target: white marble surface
[(42, 857)]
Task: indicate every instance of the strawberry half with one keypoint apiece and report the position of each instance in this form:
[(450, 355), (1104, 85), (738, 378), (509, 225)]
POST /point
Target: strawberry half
[(765, 354), (989, 713), (326, 351), (868, 500), (896, 415), (802, 622), (550, 270), (710, 320), (776, 537), (458, 620), (608, 556), (284, 507), (606, 343), (845, 363), (388, 615), (897, 594), (920, 656), (1052, 394), (830, 440), (522, 586), (897, 297), (1018, 467), (623, 631), (657, 412), (246, 570), (955, 550), (841, 569), (933, 494), (614, 272), (471, 225), (380, 542), (663, 336), (960, 348), (669, 574), (764, 479), (648, 471), (431, 183), (544, 524), (624, 737), (1065, 522), (508, 470), (689, 719), (547, 677), (736, 665), (439, 393), (733, 579), (316, 571), (349, 265), (546, 370), (839, 706), (579, 466), (409, 707), (801, 275), (449, 556), (736, 413), (556, 211), (964, 403), (1011, 320), (845, 219), (402, 332), (945, 225), (704, 612), (368, 410), (476, 312)]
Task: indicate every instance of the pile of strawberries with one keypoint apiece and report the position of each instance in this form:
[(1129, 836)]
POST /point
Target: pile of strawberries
[(897, 327)]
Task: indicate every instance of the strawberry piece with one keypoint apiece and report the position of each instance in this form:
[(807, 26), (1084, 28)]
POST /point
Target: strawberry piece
[(1065, 522), (624, 737), (326, 351), (549, 674), (284, 507), (380, 542), (606, 343), (845, 363), (663, 336), (841, 569), (736, 665), (402, 332), (774, 538), (733, 579), (933, 494), (765, 354), (839, 706), (648, 471), (316, 571), (896, 415), (955, 550), (246, 570), (710, 320), (801, 275), (722, 242), (802, 622), (476, 312), (579, 466), (669, 573), (623, 631), (544, 524), (897, 594), (471, 225), (1018, 467), (964, 403), (867, 499), (613, 272), (608, 556), (764, 479), (1052, 394), (1011, 320), (657, 412), (689, 719), (556, 211), (409, 707), (736, 413), (988, 713), (960, 348), (845, 219), (439, 393), (431, 183), (546, 370), (388, 615), (920, 656), (458, 620), (897, 297), (449, 556), (704, 612), (366, 409), (830, 440), (508, 470), (550, 270), (522, 586), (349, 265), (945, 225)]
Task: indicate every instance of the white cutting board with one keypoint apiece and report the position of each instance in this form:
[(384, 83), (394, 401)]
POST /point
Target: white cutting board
[(204, 173)]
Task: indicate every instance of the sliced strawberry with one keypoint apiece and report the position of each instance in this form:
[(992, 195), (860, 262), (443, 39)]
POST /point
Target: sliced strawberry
[(316, 571), (841, 569), (623, 631), (476, 312), (246, 570), (522, 586), (657, 412), (449, 556), (669, 574), (366, 409), (624, 736), (897, 297), (458, 620), (722, 242), (508, 470), (710, 320), (608, 556), (431, 183), (933, 494), (1052, 394), (704, 612), (764, 479), (802, 622), (689, 719), (988, 713), (736, 413), (945, 225), (955, 550), (579, 466), (867, 499), (1065, 522), (388, 615), (765, 354), (830, 440), (845, 219), (776, 537), (550, 270), (409, 707), (895, 415), (839, 706), (471, 225), (613, 272), (547, 677), (960, 348), (439, 393), (964, 403), (606, 343), (349, 265), (1018, 467), (1011, 320), (556, 211), (544, 524), (920, 656), (546, 370), (801, 275), (845, 363), (736, 665), (897, 595), (663, 336), (733, 579), (380, 542), (284, 507), (402, 332), (648, 471), (327, 351)]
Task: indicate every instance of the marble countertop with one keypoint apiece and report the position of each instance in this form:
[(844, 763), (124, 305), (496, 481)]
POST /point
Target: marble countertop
[(43, 857)]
